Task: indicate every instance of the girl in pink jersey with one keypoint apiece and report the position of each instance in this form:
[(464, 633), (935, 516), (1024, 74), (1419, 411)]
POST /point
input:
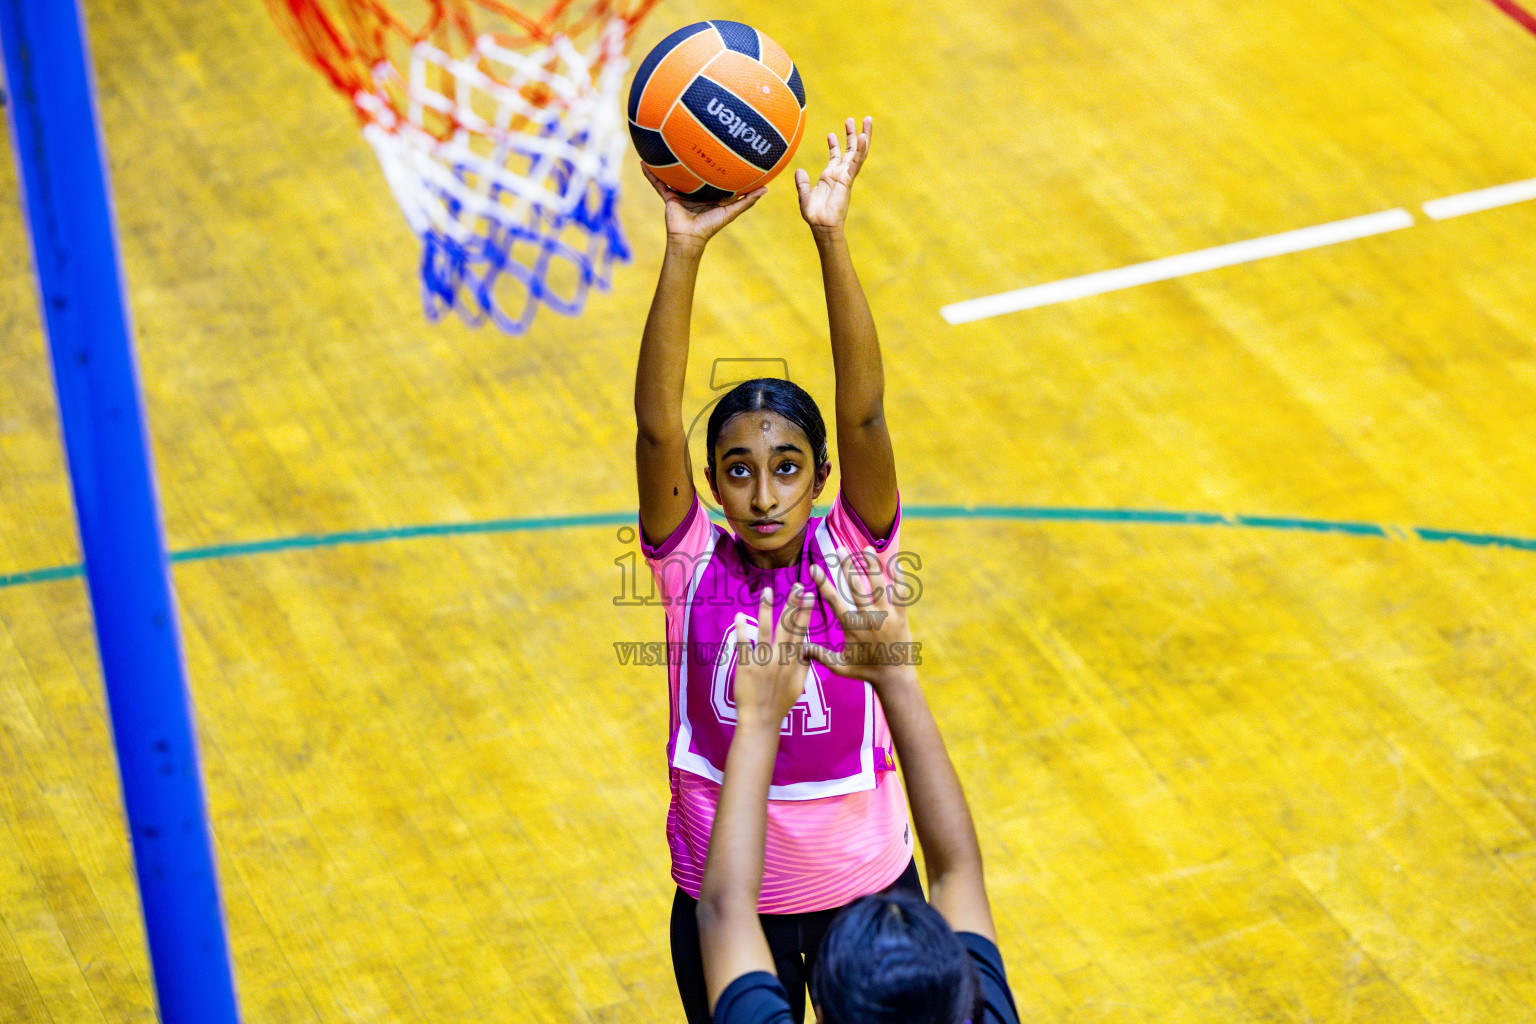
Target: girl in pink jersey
[(837, 826)]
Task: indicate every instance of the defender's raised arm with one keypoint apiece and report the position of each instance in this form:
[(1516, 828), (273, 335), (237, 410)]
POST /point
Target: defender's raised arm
[(878, 647)]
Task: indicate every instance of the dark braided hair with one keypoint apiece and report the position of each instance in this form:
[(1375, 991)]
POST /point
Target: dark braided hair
[(891, 958)]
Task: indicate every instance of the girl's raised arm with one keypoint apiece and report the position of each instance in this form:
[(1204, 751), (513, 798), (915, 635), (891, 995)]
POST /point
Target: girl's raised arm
[(662, 466), (863, 442)]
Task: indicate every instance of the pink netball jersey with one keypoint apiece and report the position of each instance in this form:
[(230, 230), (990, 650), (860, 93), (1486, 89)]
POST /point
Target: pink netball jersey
[(837, 816)]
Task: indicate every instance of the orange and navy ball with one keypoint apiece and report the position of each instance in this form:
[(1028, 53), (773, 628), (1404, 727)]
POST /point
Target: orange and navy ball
[(716, 109)]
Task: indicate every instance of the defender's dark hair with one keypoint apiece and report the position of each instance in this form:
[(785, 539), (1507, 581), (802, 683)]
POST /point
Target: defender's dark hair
[(786, 398), (892, 958)]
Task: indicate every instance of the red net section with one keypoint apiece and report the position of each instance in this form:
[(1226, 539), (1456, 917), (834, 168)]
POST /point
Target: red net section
[(351, 41)]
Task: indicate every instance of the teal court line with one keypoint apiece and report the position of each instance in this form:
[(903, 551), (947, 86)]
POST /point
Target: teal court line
[(994, 513)]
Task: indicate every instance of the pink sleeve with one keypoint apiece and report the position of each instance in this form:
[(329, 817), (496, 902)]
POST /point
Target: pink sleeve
[(849, 531), (674, 560)]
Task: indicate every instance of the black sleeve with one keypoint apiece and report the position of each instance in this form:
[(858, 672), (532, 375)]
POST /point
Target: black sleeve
[(997, 999), (755, 998)]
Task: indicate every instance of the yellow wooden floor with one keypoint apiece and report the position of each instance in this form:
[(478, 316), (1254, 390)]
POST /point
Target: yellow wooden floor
[(1227, 773)]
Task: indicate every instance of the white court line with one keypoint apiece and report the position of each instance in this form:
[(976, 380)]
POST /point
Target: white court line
[(1177, 266), (1482, 199)]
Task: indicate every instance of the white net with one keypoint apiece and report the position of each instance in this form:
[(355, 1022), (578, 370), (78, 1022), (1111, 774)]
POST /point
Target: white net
[(506, 165)]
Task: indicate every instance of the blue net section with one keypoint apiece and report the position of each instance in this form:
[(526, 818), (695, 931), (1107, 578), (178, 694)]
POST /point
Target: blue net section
[(506, 165), (507, 270)]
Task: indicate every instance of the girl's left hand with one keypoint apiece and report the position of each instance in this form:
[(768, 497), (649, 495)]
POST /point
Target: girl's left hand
[(825, 204), (770, 671)]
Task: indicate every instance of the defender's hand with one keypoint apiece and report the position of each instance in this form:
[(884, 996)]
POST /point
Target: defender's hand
[(825, 204), (878, 644), (770, 671)]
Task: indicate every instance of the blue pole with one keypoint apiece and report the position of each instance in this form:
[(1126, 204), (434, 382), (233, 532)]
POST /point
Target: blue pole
[(69, 212)]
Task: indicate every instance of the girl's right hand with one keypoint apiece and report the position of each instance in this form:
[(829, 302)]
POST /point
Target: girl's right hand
[(878, 645), (694, 224)]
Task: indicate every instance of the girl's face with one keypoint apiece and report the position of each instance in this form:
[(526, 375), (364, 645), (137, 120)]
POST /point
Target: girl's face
[(765, 480)]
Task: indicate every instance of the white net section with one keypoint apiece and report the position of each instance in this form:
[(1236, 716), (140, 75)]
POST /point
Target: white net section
[(506, 165)]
